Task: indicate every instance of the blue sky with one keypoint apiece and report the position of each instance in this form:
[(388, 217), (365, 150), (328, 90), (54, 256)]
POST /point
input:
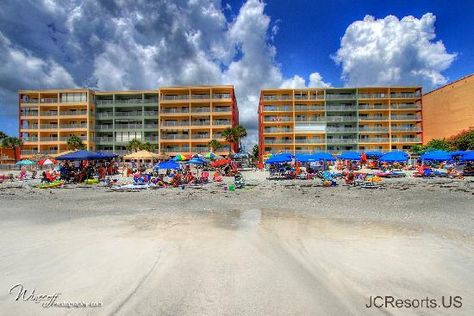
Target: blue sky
[(251, 44)]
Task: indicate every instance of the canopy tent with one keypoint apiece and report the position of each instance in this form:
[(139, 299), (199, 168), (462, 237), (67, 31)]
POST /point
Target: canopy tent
[(468, 156), (373, 154), (279, 158), (349, 155), (457, 153), (170, 164), (81, 155), (322, 155), (143, 155), (394, 156), (25, 162), (47, 162), (436, 155)]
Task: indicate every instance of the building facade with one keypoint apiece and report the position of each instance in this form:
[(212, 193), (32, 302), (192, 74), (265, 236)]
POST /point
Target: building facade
[(336, 120), (449, 109), (177, 120)]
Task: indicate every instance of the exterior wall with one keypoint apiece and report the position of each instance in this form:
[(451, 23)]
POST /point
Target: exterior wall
[(449, 109), (334, 120), (107, 121)]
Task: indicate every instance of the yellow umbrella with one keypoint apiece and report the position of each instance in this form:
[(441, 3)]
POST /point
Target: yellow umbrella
[(142, 154)]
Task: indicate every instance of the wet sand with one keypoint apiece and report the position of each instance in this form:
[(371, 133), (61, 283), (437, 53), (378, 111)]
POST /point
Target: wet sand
[(281, 248)]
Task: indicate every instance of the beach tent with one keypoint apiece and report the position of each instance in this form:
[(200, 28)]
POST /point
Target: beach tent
[(436, 155), (373, 154), (322, 155), (25, 162), (81, 155), (394, 156), (143, 155), (349, 155), (170, 164), (468, 156)]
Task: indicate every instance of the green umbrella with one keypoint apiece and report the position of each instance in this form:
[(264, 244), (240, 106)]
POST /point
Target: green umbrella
[(25, 162)]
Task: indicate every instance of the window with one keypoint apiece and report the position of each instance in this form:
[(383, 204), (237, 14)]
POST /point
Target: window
[(78, 97)]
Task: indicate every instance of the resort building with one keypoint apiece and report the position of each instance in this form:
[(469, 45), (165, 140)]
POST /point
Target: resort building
[(449, 109), (339, 119), (177, 120)]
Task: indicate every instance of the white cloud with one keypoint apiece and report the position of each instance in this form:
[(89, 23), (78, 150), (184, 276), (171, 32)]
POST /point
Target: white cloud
[(315, 81), (390, 51)]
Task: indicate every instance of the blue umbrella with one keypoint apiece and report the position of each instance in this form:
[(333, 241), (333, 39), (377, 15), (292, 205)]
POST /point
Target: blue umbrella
[(394, 156), (373, 154), (349, 155), (305, 158), (457, 153), (197, 161), (322, 155), (170, 164), (279, 158), (436, 155), (468, 156), (107, 155), (25, 162)]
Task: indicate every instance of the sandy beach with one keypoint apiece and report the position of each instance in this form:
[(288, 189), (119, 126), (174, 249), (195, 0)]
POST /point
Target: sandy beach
[(273, 248)]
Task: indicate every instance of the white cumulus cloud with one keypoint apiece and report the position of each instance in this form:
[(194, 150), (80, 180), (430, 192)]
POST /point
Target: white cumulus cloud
[(391, 51)]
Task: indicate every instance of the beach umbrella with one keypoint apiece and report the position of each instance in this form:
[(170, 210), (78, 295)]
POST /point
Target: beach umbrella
[(107, 155), (457, 153), (322, 155), (210, 156), (304, 158), (349, 155), (81, 155), (279, 158), (47, 162), (468, 156), (170, 164), (221, 162), (394, 156), (142, 155), (25, 162), (180, 157), (197, 161), (373, 154), (436, 155)]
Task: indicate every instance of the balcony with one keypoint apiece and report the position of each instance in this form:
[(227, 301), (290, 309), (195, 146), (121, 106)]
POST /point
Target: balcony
[(150, 126), (73, 113), (49, 139), (200, 97), (406, 140), (200, 136), (341, 141), (309, 141), (175, 123), (341, 119), (222, 109), (374, 140), (183, 149), (150, 138), (406, 129), (128, 114), (219, 96), (278, 141), (277, 130), (104, 127), (373, 96), (276, 97), (175, 97), (49, 126), (104, 114), (200, 149), (29, 113), (405, 95), (104, 139), (34, 126), (30, 139), (30, 101), (406, 118), (200, 110), (72, 126), (174, 110), (49, 113), (150, 113), (277, 119), (373, 107), (200, 123), (310, 119), (373, 118), (405, 106), (49, 100), (49, 152), (340, 108), (129, 126), (304, 108), (373, 129), (174, 136), (341, 129), (217, 122), (29, 152), (277, 109), (340, 96)]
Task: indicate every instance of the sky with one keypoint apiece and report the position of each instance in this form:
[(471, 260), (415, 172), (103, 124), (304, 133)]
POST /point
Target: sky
[(252, 44)]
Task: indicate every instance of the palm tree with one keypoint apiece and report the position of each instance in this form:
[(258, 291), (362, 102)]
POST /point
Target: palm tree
[(241, 132), (75, 143), (12, 143), (255, 152), (134, 145), (148, 147), (230, 136), (3, 135), (214, 145)]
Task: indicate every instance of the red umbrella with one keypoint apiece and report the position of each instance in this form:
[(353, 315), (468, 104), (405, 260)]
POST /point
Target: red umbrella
[(220, 163)]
